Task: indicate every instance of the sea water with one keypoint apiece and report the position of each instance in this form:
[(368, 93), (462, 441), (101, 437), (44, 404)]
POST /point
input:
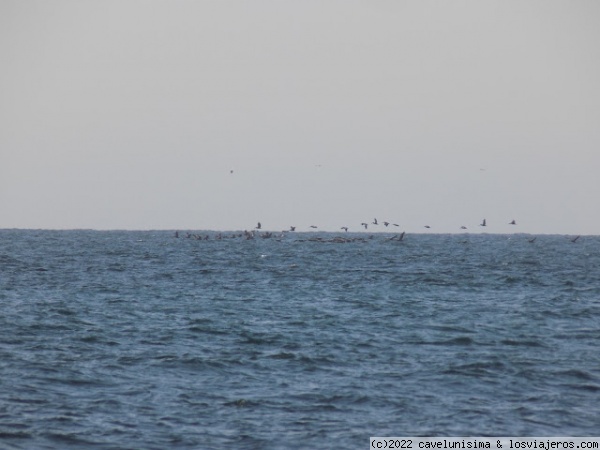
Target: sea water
[(140, 340)]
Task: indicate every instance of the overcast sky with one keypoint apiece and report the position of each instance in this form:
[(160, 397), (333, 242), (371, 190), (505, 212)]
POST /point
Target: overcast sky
[(132, 114)]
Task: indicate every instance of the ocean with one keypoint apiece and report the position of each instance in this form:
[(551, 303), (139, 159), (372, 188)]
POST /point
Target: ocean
[(140, 340)]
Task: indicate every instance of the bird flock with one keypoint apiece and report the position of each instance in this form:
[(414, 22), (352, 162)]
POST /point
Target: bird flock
[(375, 222), (257, 231)]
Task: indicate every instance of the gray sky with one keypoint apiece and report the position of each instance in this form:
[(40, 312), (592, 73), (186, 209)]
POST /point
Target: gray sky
[(131, 114)]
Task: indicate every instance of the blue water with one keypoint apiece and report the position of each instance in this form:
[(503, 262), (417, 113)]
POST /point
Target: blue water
[(129, 340)]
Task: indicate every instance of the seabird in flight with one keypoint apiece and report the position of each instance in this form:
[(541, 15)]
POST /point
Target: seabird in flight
[(463, 228), (575, 239), (345, 229), (365, 224), (386, 223), (427, 226), (513, 222), (375, 222), (483, 224), (313, 226), (292, 228), (258, 226)]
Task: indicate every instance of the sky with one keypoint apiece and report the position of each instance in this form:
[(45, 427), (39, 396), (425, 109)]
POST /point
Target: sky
[(122, 114)]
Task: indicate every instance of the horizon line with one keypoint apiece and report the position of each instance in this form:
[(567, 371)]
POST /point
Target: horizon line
[(293, 232)]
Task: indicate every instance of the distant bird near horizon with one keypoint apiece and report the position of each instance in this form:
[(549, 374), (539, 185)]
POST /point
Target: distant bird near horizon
[(386, 223), (258, 226), (344, 228), (292, 228), (398, 237), (375, 222), (231, 171), (513, 222), (575, 240), (313, 226), (483, 224), (463, 227), (427, 226), (531, 241), (395, 224), (365, 224)]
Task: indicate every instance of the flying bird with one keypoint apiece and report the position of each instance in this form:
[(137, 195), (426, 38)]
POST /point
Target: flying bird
[(365, 224), (375, 222), (395, 224), (313, 226), (513, 222), (344, 228), (258, 226), (483, 224), (427, 226), (575, 239), (292, 228), (463, 228), (386, 223)]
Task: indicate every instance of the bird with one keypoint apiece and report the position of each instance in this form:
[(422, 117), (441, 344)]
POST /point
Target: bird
[(427, 226), (483, 224), (513, 222), (344, 228), (401, 236), (532, 240), (463, 227), (313, 226), (386, 223), (395, 224), (292, 228), (575, 239), (375, 222), (365, 224), (258, 226), (231, 171)]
